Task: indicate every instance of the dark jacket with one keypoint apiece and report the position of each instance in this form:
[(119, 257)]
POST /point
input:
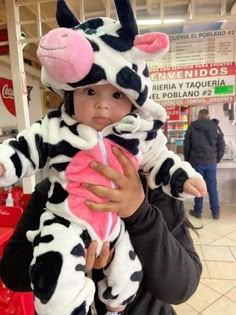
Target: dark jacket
[(161, 238), (204, 142)]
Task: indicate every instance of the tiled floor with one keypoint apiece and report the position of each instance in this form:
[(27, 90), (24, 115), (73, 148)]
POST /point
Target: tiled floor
[(216, 246)]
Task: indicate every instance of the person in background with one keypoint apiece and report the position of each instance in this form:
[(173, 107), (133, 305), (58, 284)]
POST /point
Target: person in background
[(204, 147), (158, 229)]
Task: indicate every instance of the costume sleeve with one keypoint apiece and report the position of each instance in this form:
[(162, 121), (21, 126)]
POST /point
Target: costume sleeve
[(220, 145), (166, 169), (163, 167), (161, 239), (15, 262), (24, 155), (187, 144)]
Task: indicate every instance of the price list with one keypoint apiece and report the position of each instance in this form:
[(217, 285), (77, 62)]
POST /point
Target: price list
[(198, 48)]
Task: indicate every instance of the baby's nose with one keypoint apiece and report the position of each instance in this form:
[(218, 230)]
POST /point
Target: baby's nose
[(102, 103)]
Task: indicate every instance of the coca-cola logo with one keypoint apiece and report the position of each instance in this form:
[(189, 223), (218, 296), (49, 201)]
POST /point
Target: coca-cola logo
[(7, 95), (7, 92)]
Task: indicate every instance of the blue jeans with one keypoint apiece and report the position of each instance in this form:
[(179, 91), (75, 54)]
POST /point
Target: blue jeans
[(208, 172)]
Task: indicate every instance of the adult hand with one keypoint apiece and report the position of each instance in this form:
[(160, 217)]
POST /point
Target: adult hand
[(128, 194), (195, 186), (93, 262)]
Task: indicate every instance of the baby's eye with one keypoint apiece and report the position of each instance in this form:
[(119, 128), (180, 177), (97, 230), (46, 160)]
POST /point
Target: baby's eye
[(89, 91), (118, 95)]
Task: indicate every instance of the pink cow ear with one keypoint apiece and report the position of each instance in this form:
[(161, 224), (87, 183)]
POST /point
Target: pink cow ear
[(151, 44)]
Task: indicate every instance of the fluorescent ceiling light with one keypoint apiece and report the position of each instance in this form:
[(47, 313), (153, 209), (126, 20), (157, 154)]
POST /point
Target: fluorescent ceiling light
[(158, 21)]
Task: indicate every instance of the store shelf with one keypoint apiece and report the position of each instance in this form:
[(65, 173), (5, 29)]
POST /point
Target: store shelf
[(176, 127), (176, 121), (176, 130)]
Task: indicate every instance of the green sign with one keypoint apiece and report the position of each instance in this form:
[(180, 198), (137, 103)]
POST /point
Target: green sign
[(224, 89)]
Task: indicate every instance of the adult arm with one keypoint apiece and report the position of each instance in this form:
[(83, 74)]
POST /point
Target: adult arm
[(171, 266), (15, 262)]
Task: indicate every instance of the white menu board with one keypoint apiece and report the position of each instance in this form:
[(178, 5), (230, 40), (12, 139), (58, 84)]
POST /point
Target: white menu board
[(198, 69), (199, 48)]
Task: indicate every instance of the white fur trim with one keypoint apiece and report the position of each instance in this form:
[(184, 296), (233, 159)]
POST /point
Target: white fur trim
[(129, 123), (156, 110)]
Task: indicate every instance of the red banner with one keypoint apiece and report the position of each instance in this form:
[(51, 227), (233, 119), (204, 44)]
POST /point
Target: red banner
[(194, 84), (192, 71)]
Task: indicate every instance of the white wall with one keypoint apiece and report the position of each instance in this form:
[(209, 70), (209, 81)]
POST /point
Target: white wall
[(227, 126), (216, 111)]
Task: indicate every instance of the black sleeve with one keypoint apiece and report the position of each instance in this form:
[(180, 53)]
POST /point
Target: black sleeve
[(220, 145), (161, 238), (187, 144), (18, 253)]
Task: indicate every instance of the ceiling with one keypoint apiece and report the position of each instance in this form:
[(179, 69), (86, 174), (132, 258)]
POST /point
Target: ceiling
[(37, 17)]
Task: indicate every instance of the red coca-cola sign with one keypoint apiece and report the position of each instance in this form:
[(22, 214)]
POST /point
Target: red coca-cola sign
[(7, 95)]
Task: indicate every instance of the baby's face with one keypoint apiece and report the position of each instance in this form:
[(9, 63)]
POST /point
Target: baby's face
[(100, 105)]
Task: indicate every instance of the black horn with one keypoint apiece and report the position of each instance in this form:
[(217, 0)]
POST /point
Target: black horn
[(64, 16), (126, 16)]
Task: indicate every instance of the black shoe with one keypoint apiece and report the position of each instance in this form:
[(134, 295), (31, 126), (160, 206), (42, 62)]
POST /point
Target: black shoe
[(216, 216), (194, 214)]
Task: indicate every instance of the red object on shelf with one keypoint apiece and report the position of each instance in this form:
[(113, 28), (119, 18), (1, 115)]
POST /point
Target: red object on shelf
[(15, 303)]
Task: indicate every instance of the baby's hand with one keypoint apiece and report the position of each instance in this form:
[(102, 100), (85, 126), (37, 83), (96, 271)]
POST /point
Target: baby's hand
[(195, 186), (2, 169)]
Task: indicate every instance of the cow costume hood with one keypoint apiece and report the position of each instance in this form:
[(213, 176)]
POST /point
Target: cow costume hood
[(100, 51)]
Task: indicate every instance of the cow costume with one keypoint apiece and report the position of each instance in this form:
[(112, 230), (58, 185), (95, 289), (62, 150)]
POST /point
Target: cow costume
[(98, 51)]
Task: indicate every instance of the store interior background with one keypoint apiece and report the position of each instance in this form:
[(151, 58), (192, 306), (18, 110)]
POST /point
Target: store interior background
[(216, 240)]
